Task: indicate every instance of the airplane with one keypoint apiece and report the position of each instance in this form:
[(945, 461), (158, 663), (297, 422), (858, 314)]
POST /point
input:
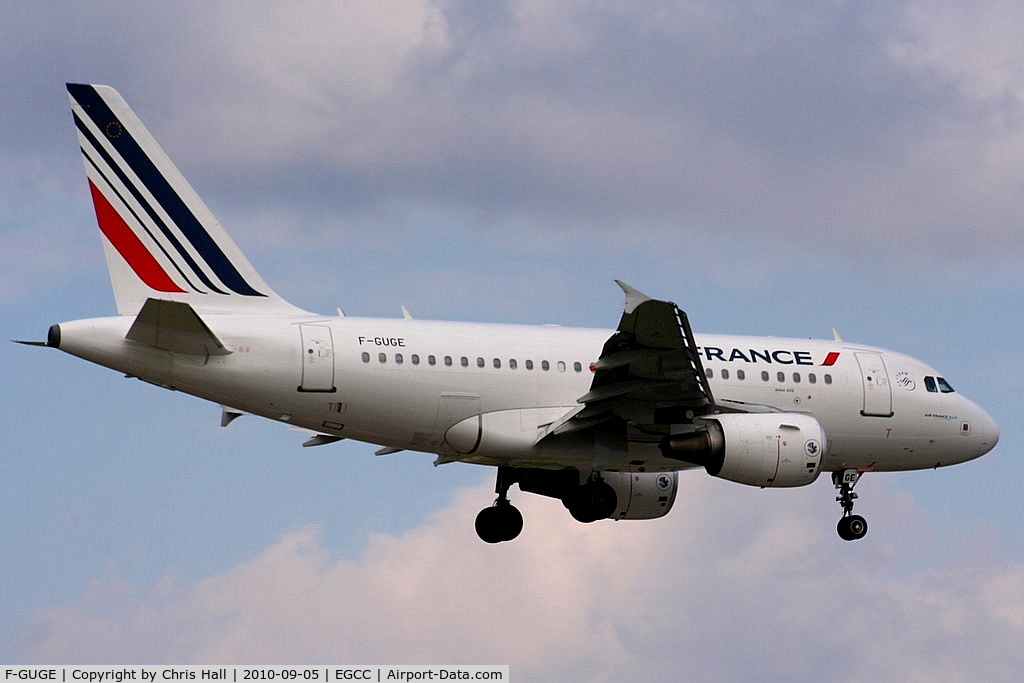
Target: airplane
[(603, 420)]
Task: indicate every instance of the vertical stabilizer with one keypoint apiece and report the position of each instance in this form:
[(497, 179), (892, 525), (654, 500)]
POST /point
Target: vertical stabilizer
[(160, 239)]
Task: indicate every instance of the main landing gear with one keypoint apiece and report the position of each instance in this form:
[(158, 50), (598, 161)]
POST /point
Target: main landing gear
[(502, 521), (587, 502), (592, 501), (851, 527)]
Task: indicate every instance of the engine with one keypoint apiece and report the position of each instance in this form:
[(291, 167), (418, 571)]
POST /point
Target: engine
[(762, 449)]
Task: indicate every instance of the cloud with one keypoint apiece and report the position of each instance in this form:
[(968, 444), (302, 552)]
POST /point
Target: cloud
[(881, 136), (733, 583), (821, 130)]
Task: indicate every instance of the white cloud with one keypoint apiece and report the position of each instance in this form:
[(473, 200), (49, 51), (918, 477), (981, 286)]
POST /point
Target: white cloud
[(733, 583), (873, 135), (585, 120)]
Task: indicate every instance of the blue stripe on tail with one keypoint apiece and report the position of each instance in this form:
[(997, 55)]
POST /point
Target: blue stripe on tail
[(165, 195)]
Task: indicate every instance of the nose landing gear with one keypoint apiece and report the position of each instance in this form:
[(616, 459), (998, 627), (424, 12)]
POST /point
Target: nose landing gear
[(851, 527)]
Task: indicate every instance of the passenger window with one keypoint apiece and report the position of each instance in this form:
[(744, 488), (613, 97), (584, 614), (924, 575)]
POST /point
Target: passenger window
[(944, 386), (497, 363), (512, 365), (366, 357), (529, 365), (725, 374), (448, 361), (764, 375), (710, 373), (929, 384), (382, 357), (398, 359), (480, 362), (431, 360), (415, 359), (796, 378), (577, 366), (464, 362), (828, 378), (544, 365), (812, 378), (561, 366), (781, 377), (740, 375)]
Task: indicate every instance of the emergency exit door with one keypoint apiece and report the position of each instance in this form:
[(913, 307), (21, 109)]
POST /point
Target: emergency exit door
[(317, 358)]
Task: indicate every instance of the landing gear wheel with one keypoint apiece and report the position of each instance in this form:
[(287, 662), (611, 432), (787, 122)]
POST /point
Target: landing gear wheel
[(852, 528), (500, 522), (593, 501)]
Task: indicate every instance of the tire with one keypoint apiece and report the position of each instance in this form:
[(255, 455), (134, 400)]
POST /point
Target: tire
[(488, 526), (852, 528), (858, 527), (499, 523), (510, 521), (591, 502)]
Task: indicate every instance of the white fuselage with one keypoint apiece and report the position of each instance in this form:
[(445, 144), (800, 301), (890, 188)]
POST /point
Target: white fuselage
[(422, 385)]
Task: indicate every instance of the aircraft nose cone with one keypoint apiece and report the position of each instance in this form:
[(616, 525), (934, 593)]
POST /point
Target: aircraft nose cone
[(986, 432)]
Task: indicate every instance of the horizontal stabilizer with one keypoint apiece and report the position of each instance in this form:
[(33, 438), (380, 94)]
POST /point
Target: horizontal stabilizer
[(174, 326)]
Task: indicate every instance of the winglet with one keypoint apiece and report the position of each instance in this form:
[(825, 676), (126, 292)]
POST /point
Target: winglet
[(634, 297)]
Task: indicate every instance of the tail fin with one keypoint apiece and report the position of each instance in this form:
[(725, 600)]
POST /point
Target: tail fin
[(160, 239)]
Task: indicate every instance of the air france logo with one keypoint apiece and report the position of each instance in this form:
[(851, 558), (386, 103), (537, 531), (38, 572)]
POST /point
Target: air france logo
[(775, 356), (812, 448)]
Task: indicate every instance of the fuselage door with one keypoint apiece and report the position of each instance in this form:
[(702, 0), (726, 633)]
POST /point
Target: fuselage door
[(877, 390), (317, 358)]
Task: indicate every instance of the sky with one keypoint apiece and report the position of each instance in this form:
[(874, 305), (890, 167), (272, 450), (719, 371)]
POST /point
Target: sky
[(773, 168)]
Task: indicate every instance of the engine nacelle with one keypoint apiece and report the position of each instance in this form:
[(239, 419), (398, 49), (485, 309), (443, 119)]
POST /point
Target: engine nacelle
[(642, 495), (762, 449)]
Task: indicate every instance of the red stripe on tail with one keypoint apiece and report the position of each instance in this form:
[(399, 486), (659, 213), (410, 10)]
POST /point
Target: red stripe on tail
[(129, 245)]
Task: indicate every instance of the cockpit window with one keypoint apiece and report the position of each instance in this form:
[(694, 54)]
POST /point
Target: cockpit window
[(937, 384)]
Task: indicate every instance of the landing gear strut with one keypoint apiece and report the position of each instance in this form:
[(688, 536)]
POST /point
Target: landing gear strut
[(851, 527), (502, 521)]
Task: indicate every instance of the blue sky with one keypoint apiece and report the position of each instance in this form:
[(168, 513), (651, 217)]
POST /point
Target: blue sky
[(774, 169)]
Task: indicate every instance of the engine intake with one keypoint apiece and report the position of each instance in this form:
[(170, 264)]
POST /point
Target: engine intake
[(763, 449)]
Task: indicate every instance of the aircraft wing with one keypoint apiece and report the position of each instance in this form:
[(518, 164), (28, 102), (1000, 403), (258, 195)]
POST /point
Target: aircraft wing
[(649, 375)]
